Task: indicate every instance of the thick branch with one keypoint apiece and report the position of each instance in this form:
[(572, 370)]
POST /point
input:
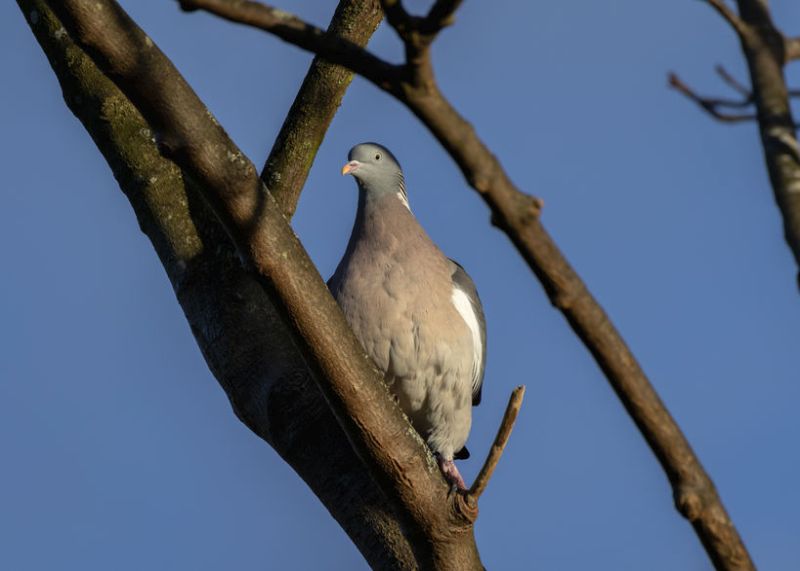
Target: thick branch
[(236, 326), (517, 214), (394, 455)]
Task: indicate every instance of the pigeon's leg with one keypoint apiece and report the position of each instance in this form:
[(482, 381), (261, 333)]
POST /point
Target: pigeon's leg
[(451, 474)]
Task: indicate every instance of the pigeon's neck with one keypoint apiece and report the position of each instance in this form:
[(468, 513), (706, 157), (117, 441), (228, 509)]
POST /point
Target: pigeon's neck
[(383, 218)]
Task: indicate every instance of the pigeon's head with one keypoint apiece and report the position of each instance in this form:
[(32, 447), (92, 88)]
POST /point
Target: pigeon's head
[(375, 169)]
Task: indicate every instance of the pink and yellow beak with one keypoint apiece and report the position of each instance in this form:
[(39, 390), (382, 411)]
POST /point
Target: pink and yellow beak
[(350, 167)]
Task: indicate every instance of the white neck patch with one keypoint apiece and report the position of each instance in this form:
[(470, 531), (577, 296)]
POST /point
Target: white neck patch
[(404, 200)]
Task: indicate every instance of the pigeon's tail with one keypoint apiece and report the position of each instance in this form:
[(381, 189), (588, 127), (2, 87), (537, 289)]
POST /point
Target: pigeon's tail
[(462, 454)]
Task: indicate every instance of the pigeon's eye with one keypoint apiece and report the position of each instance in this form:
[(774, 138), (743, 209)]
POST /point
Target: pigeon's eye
[(378, 157)]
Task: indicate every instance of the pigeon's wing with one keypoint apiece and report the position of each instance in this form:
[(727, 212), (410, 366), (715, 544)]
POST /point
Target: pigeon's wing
[(463, 282)]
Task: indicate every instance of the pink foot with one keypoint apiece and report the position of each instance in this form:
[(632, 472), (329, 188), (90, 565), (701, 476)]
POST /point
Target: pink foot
[(451, 473)]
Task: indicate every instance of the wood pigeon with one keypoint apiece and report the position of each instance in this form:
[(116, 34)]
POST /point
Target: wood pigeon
[(416, 312)]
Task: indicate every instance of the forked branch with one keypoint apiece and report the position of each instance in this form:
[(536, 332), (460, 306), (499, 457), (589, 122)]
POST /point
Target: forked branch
[(767, 50), (713, 105)]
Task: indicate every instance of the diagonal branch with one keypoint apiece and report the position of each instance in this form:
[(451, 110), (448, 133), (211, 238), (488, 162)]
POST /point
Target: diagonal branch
[(236, 326), (517, 214), (295, 31), (395, 457), (734, 83), (317, 101), (499, 444)]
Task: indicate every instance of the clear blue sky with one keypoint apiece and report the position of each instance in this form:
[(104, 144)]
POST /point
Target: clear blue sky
[(119, 450)]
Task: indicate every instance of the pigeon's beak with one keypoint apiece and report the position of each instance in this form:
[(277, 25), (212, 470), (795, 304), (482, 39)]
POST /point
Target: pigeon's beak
[(350, 167)]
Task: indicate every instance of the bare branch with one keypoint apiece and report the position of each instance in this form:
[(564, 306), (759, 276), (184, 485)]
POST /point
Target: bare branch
[(766, 53), (734, 83), (499, 444), (730, 16), (441, 15), (418, 34), (396, 458), (517, 214), (315, 105), (399, 19), (295, 31), (712, 105)]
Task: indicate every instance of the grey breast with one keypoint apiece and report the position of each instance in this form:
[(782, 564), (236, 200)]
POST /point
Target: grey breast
[(418, 316)]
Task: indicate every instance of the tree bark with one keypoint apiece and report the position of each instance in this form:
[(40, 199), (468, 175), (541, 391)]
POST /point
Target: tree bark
[(767, 51)]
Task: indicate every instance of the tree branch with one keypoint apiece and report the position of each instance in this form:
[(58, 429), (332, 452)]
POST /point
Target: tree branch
[(734, 83), (766, 54), (767, 51), (712, 105), (517, 214), (316, 103), (295, 31), (394, 455), (236, 326), (499, 444)]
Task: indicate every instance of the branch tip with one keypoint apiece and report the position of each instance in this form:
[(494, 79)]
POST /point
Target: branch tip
[(499, 444)]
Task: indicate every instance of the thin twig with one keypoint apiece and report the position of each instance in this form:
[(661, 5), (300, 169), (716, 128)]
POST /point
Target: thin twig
[(745, 91), (499, 444), (711, 105)]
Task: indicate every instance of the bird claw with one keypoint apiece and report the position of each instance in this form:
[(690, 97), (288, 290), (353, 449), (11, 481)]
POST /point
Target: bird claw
[(452, 475)]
